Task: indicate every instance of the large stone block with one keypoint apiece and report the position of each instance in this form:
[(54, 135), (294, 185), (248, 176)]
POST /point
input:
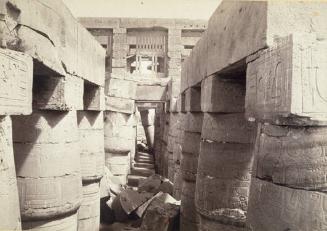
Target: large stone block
[(51, 35), (191, 142), (252, 26), (286, 83), (193, 122), (231, 128), (122, 88), (155, 91), (120, 105), (198, 60), (274, 207), (58, 93), (193, 99), (222, 95), (93, 98), (16, 83)]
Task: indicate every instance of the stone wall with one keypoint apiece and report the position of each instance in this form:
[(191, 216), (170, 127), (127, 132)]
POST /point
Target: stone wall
[(252, 101), (52, 98)]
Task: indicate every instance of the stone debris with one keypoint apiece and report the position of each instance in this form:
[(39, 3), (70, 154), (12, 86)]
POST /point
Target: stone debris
[(133, 203), (161, 215)]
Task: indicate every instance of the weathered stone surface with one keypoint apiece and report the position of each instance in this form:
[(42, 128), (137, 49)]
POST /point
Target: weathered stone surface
[(118, 163), (89, 212), (285, 83), (106, 184), (189, 166), (207, 224), (16, 83), (177, 182), (130, 200), (161, 215), (189, 217), (122, 88), (90, 125), (193, 122), (199, 60), (58, 93), (229, 40), (222, 186), (174, 87), (150, 184), (193, 99), (167, 187), (119, 132), (9, 201), (155, 91), (142, 209), (222, 95), (119, 213), (68, 223), (191, 142), (48, 187), (50, 34), (120, 105), (273, 207), (93, 98), (292, 156), (259, 23), (232, 128)]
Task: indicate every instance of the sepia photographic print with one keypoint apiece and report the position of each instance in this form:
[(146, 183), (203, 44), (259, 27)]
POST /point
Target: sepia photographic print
[(163, 115)]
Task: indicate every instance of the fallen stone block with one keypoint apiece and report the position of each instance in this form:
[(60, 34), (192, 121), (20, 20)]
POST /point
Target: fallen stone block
[(167, 186), (150, 184), (161, 215), (130, 200), (119, 213), (142, 209)]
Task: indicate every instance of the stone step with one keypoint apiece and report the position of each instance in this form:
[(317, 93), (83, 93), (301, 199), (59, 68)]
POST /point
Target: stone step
[(142, 171), (144, 165), (134, 180)]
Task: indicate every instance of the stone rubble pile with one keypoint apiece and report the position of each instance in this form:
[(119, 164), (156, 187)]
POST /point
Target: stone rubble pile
[(150, 206)]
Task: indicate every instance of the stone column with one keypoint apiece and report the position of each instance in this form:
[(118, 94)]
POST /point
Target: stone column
[(189, 160), (147, 118), (47, 160), (16, 99), (290, 107), (91, 143)]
